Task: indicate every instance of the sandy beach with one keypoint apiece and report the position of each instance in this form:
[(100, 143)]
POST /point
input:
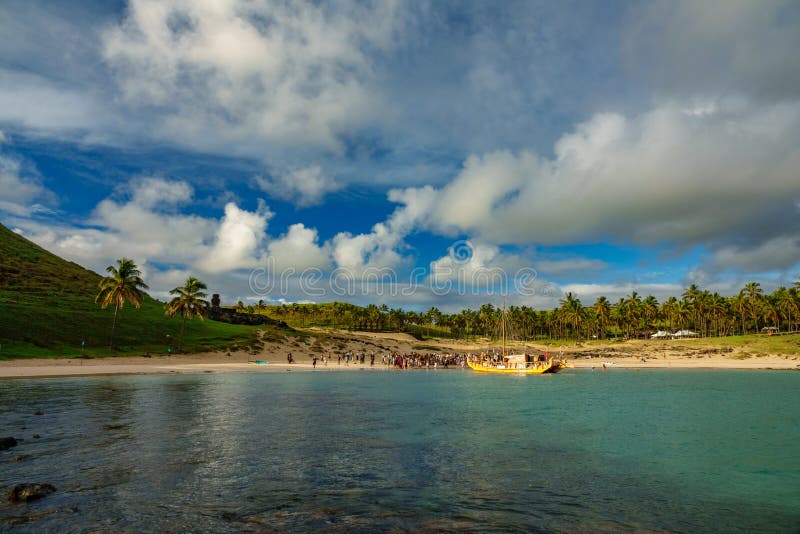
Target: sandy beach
[(633, 354)]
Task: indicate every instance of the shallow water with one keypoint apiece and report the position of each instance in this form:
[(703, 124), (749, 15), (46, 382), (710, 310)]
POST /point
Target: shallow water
[(620, 450)]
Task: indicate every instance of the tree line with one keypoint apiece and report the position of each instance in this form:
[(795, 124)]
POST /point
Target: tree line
[(633, 316)]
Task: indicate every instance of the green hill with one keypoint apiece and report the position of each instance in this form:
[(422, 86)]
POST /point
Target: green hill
[(47, 308)]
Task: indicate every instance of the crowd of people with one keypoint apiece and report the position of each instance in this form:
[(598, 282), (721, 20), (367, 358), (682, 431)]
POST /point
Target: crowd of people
[(412, 360)]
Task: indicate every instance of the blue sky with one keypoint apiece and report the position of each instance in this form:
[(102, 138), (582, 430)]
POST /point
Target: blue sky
[(591, 147)]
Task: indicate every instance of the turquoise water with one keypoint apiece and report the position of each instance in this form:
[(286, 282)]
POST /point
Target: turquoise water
[(621, 450)]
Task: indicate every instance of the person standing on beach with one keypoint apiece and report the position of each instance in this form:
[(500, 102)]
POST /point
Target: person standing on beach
[(314, 362)]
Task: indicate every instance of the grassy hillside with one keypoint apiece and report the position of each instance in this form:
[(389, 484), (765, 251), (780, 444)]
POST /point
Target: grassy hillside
[(47, 307)]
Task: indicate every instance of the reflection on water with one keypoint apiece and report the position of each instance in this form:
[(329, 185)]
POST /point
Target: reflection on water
[(428, 451)]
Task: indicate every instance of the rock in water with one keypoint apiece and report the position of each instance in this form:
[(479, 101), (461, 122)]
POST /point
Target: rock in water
[(7, 443), (29, 492)]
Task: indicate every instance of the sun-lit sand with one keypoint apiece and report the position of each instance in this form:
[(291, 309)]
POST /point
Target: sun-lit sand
[(633, 354)]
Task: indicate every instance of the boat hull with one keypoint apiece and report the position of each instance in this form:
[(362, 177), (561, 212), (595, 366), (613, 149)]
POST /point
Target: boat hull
[(528, 370)]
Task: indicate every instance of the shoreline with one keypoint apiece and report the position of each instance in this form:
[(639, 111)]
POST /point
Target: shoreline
[(214, 364), (634, 354)]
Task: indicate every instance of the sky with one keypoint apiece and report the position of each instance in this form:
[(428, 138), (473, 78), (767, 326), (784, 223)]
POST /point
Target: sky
[(415, 154)]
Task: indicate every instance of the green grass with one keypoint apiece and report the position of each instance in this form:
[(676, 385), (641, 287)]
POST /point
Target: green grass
[(47, 308), (753, 343)]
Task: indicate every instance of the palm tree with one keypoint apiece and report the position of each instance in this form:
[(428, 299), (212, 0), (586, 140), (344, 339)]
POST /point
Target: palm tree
[(682, 313), (650, 310), (771, 313), (740, 303), (715, 308), (602, 308), (189, 301), (124, 284), (633, 311), (754, 293), (573, 312), (787, 303), (691, 296), (668, 310)]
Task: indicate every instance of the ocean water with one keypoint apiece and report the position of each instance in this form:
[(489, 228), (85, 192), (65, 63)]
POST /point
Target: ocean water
[(422, 451)]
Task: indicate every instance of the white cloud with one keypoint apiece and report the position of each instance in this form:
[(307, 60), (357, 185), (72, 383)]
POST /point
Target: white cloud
[(43, 106), (715, 46), (476, 264), (151, 192), (771, 254), (20, 193), (238, 239), (306, 186), (299, 249), (588, 293), (665, 175), (293, 73), (380, 249), (148, 228), (375, 250)]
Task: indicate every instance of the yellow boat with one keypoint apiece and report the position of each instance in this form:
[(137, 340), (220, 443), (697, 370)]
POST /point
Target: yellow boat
[(518, 364), (515, 364)]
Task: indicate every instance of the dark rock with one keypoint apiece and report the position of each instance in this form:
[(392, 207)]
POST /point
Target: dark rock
[(36, 436), (227, 315), (7, 443), (29, 492), (39, 412)]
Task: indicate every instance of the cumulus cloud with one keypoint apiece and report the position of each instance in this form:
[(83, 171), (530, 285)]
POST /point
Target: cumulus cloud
[(666, 175), (476, 264), (150, 192), (148, 226), (238, 239), (298, 249), (138, 226), (772, 254), (381, 248), (305, 187), (21, 193), (374, 250), (295, 73)]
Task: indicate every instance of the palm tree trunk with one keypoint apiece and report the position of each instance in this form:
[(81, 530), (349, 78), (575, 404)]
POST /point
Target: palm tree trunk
[(113, 326), (180, 341)]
